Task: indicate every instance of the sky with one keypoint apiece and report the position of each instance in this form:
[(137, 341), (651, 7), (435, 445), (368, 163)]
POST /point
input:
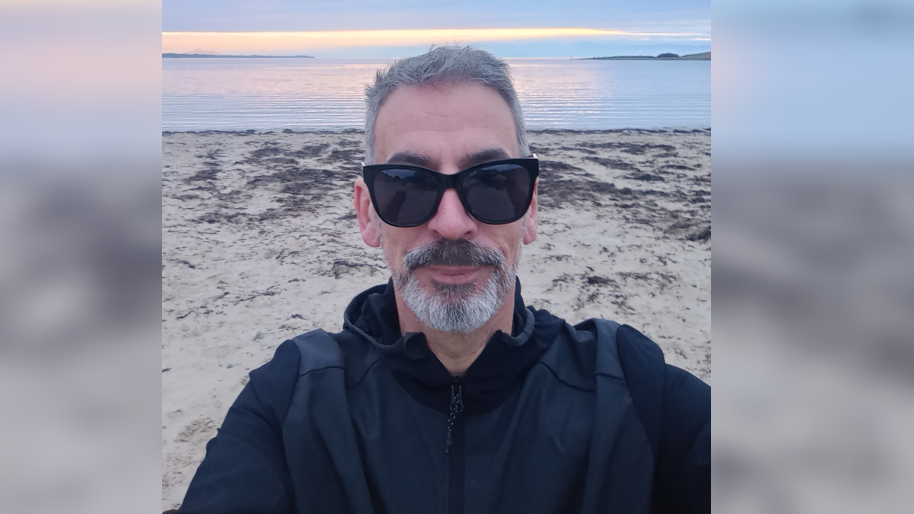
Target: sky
[(365, 28)]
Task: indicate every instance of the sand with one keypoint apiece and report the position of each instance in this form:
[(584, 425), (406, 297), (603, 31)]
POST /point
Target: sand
[(260, 243)]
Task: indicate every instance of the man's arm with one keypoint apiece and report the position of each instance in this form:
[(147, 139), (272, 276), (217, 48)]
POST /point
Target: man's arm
[(244, 469)]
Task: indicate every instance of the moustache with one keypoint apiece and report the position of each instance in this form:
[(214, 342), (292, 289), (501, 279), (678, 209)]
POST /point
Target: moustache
[(457, 252)]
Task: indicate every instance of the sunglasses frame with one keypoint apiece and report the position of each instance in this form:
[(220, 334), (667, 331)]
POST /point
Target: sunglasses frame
[(445, 182)]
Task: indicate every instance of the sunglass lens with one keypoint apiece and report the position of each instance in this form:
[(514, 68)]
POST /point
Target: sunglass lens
[(499, 193), (404, 197)]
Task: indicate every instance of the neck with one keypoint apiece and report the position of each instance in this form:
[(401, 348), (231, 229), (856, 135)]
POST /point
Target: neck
[(458, 351)]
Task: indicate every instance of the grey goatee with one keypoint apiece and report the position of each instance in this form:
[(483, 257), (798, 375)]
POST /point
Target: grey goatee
[(460, 308)]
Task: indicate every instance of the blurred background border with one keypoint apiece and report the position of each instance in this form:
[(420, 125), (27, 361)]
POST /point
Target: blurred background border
[(813, 281)]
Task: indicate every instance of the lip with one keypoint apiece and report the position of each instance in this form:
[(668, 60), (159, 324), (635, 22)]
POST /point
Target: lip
[(453, 274)]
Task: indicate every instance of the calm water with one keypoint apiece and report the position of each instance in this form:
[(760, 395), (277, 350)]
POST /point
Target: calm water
[(310, 94)]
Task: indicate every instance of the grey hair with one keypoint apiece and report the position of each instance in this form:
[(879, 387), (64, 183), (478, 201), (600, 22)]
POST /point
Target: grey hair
[(448, 64)]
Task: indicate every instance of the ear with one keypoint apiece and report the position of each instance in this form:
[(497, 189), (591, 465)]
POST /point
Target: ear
[(367, 226), (530, 229)]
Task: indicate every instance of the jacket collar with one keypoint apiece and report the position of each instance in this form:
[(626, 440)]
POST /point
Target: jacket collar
[(490, 380)]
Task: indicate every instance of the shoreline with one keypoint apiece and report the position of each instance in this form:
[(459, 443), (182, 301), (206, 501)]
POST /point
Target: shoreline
[(260, 243), (670, 130)]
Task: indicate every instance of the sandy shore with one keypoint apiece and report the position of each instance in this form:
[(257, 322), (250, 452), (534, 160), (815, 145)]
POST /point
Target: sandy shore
[(259, 244)]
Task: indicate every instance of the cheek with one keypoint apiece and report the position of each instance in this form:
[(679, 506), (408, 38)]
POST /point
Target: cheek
[(393, 261), (509, 239), (395, 242)]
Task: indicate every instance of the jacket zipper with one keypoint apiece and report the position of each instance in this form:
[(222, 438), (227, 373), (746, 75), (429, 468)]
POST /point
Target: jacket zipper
[(455, 450), (455, 409)]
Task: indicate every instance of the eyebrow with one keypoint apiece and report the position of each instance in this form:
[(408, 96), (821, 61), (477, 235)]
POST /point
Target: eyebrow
[(487, 155), (409, 158)]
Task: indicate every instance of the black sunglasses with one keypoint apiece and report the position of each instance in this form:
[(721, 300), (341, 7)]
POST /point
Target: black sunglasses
[(494, 193)]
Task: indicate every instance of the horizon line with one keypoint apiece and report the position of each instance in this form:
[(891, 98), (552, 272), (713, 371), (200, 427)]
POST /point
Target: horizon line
[(499, 33)]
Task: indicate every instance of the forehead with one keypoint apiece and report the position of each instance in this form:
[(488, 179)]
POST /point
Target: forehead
[(443, 123)]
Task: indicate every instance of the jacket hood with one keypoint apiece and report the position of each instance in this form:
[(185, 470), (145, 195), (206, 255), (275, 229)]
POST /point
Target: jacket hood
[(489, 381)]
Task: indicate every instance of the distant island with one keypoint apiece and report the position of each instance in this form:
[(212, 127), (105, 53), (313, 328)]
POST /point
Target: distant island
[(219, 56), (706, 56)]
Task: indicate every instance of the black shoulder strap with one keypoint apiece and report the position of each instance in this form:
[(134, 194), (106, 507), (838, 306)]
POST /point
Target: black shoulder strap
[(318, 351), (644, 368)]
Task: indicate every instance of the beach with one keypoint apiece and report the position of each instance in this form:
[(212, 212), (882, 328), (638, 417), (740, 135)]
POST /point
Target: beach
[(260, 243)]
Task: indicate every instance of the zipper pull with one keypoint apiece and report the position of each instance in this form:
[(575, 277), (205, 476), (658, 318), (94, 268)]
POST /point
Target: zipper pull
[(456, 408), (457, 398)]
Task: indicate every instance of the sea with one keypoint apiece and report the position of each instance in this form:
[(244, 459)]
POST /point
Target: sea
[(301, 94)]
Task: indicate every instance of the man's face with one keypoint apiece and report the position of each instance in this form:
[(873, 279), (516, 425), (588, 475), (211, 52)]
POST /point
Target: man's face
[(446, 128)]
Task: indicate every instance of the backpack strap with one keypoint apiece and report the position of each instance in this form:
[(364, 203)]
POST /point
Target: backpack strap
[(643, 368), (318, 351)]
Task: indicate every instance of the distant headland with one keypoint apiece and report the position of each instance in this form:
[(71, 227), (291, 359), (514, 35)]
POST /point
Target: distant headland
[(706, 56), (219, 56)]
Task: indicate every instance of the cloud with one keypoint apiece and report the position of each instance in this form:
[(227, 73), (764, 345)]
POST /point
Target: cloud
[(296, 42)]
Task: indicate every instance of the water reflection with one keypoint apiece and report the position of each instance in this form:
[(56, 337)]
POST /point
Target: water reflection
[(303, 94)]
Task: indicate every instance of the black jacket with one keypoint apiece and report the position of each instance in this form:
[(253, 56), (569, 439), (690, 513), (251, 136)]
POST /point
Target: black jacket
[(553, 419)]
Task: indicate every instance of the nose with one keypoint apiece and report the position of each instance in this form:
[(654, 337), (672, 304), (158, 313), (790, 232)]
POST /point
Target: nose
[(452, 221)]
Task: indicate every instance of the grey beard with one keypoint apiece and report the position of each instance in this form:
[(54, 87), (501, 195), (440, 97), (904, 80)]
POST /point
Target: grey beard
[(455, 308)]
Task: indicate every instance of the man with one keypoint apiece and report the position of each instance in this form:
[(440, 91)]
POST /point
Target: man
[(444, 392)]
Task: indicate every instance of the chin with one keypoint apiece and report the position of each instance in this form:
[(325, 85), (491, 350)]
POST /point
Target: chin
[(455, 308), (455, 293)]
